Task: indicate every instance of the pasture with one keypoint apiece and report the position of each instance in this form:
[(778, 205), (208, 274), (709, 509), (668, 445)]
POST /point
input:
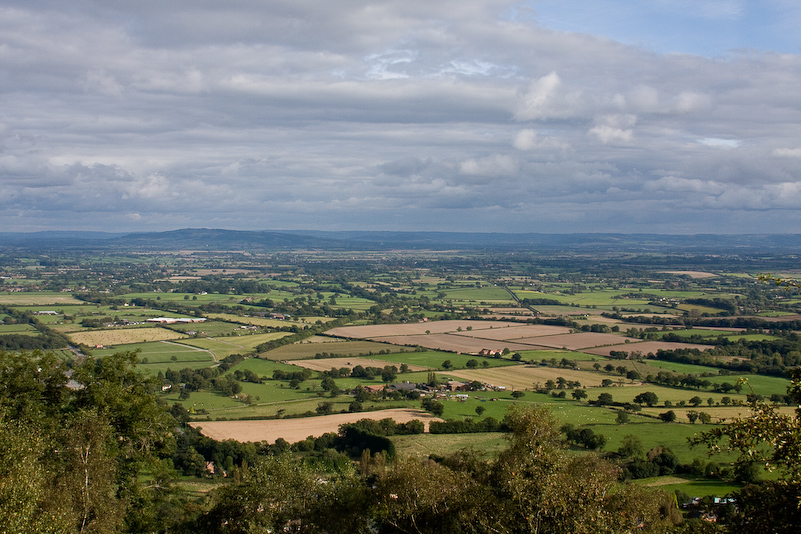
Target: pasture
[(208, 328), (25, 329), (225, 346), (162, 355)]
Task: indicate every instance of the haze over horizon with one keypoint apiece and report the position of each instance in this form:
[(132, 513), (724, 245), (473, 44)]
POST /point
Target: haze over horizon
[(543, 116)]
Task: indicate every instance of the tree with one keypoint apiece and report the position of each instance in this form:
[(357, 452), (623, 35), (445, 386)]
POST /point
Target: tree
[(765, 436), (325, 408), (518, 394), (434, 406), (328, 383), (389, 373), (276, 493), (622, 417), (91, 445), (604, 399), (696, 401), (579, 394), (668, 417), (649, 397), (447, 364), (541, 489), (472, 364), (480, 410), (631, 446)]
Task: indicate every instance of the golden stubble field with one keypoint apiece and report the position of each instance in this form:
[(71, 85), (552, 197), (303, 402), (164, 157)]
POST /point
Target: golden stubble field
[(123, 336), (526, 376), (325, 364), (294, 430), (38, 299)]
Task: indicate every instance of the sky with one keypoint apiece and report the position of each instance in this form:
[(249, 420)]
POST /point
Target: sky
[(548, 116)]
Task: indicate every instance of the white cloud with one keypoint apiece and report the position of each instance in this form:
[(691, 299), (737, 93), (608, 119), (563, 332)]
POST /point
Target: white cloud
[(525, 139), (493, 165), (539, 102), (149, 108), (614, 129), (720, 143), (787, 152)]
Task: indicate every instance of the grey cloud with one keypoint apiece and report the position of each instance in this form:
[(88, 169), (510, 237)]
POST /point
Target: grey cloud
[(334, 113)]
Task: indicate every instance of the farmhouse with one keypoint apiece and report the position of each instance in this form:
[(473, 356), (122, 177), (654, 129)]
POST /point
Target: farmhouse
[(455, 385)]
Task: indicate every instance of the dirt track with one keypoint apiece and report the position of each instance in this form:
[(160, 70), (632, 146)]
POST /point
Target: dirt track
[(294, 430)]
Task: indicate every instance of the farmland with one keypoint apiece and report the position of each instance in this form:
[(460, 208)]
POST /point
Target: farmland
[(295, 346), (298, 429)]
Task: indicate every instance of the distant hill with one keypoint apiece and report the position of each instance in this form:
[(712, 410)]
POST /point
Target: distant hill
[(216, 239), (232, 240)]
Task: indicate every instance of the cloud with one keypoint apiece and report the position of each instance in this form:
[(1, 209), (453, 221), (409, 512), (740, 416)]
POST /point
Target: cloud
[(467, 114), (720, 143), (787, 152), (614, 129)]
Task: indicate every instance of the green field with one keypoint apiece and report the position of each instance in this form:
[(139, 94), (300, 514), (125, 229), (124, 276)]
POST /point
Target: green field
[(225, 346), (692, 486), (160, 354), (761, 384), (209, 328), (26, 329), (478, 295), (684, 368)]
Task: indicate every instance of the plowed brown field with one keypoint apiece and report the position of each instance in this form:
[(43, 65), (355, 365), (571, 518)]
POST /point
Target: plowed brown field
[(517, 332), (436, 327), (454, 343), (580, 341)]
